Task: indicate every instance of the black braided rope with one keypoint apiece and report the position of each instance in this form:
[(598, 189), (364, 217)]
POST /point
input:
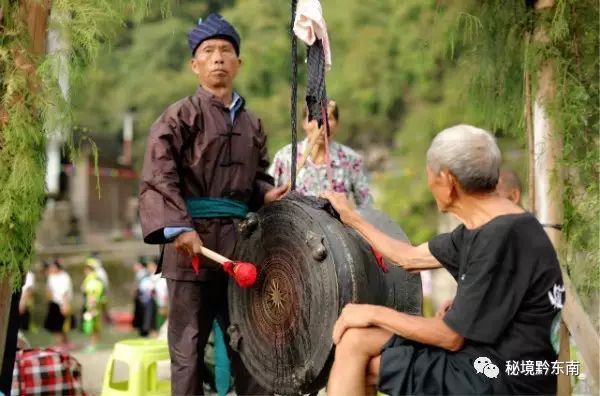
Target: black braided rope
[(316, 93), (294, 96)]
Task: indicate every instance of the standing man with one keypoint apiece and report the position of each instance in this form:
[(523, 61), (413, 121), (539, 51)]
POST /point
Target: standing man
[(204, 168)]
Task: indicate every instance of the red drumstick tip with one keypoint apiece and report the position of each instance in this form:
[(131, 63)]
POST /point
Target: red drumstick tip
[(242, 272), (245, 274)]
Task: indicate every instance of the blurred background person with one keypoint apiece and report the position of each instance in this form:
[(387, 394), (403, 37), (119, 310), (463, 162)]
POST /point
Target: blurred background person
[(147, 307), (348, 174), (96, 263), (140, 271), (148, 290), (26, 301), (93, 303), (160, 294), (59, 318), (509, 186), (427, 287)]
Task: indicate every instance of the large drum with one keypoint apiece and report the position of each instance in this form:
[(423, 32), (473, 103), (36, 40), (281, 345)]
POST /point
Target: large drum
[(309, 266)]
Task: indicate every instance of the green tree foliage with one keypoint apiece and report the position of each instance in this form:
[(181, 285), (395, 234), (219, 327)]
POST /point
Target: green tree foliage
[(573, 51), (31, 103)]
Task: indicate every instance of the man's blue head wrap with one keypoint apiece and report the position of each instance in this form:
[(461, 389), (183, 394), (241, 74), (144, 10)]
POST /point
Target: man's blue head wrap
[(214, 26)]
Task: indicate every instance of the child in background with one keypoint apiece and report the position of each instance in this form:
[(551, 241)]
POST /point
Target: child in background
[(96, 262), (93, 305), (60, 295)]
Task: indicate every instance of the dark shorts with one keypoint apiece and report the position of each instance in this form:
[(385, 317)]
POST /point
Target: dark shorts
[(24, 320), (411, 368), (55, 321)]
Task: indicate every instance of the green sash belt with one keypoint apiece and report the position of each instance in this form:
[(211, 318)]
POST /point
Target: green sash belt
[(211, 208)]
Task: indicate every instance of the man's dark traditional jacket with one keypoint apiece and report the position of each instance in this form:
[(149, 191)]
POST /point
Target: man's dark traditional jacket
[(194, 150)]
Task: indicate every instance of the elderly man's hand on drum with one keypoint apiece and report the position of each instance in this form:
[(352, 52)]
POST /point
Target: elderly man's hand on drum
[(341, 205)]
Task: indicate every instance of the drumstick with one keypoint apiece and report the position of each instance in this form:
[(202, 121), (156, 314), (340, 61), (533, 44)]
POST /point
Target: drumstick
[(242, 272), (214, 255), (305, 154)]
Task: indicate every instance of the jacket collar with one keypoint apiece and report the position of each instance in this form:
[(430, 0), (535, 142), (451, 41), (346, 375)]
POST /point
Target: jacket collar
[(204, 94)]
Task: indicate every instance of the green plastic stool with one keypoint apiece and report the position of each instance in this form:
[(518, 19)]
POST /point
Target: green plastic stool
[(141, 356)]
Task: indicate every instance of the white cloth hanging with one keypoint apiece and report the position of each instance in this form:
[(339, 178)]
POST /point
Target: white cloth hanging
[(310, 25)]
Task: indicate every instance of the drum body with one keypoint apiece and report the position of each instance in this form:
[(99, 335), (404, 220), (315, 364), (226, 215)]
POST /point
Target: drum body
[(309, 266)]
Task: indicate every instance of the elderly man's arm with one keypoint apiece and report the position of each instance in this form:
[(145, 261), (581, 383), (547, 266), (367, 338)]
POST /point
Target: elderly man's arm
[(410, 258), (430, 331)]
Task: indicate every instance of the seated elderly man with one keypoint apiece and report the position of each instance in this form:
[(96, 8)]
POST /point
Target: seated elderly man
[(506, 308)]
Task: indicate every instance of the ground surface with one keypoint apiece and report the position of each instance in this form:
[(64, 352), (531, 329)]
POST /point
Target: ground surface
[(93, 363)]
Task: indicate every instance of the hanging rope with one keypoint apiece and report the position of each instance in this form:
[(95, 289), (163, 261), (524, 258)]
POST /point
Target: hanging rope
[(316, 97), (294, 98), (316, 93)]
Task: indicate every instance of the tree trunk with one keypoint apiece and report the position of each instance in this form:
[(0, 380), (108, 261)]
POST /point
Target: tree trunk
[(10, 340), (5, 296), (547, 154), (548, 202), (547, 196), (35, 13), (548, 188), (529, 128)]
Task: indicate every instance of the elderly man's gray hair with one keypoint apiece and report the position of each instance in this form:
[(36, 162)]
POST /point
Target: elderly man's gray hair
[(469, 153)]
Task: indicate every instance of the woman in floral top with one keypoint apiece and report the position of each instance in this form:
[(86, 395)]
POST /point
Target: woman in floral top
[(348, 174)]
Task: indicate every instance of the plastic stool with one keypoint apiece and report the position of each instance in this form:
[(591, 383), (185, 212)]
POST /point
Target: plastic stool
[(141, 356)]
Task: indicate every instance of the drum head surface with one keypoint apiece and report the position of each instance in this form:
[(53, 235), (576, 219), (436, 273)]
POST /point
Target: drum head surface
[(309, 266), (282, 326)]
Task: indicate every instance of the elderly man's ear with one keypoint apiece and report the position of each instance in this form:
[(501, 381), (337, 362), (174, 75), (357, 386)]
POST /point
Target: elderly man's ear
[(450, 183), (446, 177)]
